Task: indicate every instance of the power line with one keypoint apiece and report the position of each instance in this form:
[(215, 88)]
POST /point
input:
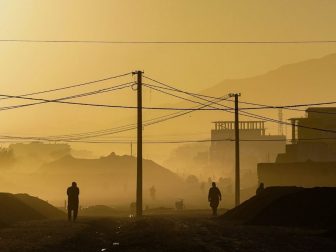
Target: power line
[(156, 120), (167, 93), (201, 97), (262, 42), (177, 141), (111, 131), (260, 106), (213, 140), (291, 107), (243, 113), (149, 108), (62, 100), (168, 117), (169, 87), (73, 86), (121, 128), (151, 136), (285, 123)]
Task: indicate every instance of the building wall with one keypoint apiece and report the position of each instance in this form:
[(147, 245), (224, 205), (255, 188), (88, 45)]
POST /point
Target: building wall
[(305, 174), (308, 151), (264, 149), (320, 123), (311, 159)]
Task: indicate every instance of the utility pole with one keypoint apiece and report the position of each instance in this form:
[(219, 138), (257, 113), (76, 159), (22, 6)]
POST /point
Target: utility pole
[(139, 146), (131, 149), (237, 167), (280, 126)]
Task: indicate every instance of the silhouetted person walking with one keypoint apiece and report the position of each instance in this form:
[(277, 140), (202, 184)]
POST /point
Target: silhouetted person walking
[(260, 188), (152, 192), (214, 197), (73, 201)]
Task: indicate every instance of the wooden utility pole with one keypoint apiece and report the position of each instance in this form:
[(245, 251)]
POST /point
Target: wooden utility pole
[(237, 168), (139, 146), (131, 149)]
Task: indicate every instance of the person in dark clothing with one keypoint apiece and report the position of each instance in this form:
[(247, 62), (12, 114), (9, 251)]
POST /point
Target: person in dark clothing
[(260, 188), (73, 201), (152, 192), (214, 197)]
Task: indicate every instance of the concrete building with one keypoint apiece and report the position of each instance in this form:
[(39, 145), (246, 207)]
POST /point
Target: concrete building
[(310, 160), (255, 145)]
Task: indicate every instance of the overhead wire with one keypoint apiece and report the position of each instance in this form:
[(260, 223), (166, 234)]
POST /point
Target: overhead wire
[(162, 118), (152, 87), (73, 86), (262, 42), (63, 99), (180, 141), (243, 113), (129, 126), (154, 120), (290, 107), (260, 106)]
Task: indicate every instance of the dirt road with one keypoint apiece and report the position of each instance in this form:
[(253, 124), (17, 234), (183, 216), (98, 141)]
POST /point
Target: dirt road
[(158, 233)]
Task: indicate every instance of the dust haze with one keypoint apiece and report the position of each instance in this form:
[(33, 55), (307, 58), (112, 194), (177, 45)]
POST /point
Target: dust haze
[(157, 125)]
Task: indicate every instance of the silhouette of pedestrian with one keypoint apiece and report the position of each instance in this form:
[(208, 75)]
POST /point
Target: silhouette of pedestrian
[(214, 197), (73, 201), (260, 188), (152, 192)]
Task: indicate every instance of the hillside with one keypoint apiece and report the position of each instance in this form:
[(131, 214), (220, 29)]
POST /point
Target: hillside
[(288, 206), (314, 78), (40, 206), (106, 180), (22, 207), (302, 82)]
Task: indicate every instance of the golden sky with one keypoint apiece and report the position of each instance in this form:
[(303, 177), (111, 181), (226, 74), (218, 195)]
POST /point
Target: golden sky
[(29, 67)]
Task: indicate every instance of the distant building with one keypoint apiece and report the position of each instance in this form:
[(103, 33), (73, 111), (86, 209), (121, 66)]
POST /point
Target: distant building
[(255, 145), (309, 143), (310, 160)]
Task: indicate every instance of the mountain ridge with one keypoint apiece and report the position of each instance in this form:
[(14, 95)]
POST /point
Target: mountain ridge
[(312, 76)]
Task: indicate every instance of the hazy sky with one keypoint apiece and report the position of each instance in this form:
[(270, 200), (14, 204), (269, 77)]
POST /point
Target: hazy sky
[(27, 67)]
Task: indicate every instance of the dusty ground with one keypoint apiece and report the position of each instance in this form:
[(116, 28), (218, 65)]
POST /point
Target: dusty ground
[(191, 231)]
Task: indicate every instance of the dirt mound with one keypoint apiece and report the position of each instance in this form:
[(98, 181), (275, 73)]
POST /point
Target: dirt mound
[(13, 209), (106, 179), (288, 206), (41, 206), (23, 207)]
